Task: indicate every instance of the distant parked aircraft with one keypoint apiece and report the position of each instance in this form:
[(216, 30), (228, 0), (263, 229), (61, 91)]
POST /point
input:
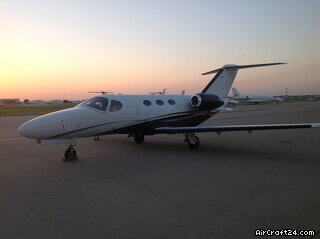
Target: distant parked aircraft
[(254, 99), (159, 92), (101, 92)]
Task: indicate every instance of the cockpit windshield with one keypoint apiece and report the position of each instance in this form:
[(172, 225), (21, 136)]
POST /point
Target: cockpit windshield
[(98, 103)]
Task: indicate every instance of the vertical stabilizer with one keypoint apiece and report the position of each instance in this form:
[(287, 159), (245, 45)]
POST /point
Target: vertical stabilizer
[(221, 83)]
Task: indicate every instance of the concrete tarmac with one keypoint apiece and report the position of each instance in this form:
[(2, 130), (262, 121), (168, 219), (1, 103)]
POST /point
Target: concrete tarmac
[(232, 185)]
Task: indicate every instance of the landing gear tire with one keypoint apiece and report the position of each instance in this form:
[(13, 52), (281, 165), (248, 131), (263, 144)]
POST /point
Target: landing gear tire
[(96, 138), (70, 155), (139, 138), (194, 145), (192, 140)]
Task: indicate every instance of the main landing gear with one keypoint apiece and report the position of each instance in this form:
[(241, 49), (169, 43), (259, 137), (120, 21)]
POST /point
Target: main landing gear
[(139, 138), (192, 140), (96, 138), (70, 154)]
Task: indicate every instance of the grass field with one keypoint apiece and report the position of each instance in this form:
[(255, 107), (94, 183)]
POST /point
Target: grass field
[(19, 110), (303, 98)]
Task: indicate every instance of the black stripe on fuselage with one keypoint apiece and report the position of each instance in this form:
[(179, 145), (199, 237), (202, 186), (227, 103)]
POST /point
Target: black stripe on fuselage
[(82, 129), (146, 122), (148, 128)]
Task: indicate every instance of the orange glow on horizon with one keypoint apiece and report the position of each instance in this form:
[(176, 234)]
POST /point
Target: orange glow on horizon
[(42, 68), (63, 49), (32, 70)]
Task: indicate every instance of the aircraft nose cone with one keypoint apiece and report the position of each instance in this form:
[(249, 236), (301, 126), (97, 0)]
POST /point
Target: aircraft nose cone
[(31, 129), (23, 130)]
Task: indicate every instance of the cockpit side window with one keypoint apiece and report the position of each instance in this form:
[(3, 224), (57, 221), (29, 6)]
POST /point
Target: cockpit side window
[(98, 103), (115, 106)]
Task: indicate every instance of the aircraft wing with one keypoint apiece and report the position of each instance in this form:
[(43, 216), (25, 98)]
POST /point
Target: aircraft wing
[(224, 128)]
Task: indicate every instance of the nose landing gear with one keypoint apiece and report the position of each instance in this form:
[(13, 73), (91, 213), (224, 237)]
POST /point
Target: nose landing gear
[(70, 154)]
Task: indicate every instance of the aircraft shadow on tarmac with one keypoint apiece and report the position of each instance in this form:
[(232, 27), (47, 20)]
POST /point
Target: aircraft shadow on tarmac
[(211, 150)]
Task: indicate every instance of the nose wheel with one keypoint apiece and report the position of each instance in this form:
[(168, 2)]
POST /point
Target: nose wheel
[(70, 154)]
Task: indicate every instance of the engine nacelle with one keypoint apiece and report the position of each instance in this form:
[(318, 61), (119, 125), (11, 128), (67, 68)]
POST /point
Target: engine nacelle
[(204, 101)]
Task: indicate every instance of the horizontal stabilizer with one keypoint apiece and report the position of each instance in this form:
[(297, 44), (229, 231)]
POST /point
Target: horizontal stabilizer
[(242, 67), (173, 130)]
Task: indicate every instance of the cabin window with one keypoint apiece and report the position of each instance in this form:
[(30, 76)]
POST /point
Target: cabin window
[(98, 103), (147, 102), (115, 106), (171, 102), (159, 102)]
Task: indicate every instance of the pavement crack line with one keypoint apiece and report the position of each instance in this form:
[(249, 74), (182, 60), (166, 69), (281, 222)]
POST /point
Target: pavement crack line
[(228, 213), (185, 197), (11, 139), (26, 196)]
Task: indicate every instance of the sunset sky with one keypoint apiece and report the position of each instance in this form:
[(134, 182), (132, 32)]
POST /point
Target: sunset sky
[(63, 49)]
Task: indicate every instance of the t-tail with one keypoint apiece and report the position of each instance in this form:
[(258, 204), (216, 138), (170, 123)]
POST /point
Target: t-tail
[(221, 83)]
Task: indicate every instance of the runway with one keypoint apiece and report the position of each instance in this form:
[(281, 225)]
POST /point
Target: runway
[(232, 185)]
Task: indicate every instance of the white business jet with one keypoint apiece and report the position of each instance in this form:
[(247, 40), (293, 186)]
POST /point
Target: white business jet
[(255, 99), (140, 115)]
